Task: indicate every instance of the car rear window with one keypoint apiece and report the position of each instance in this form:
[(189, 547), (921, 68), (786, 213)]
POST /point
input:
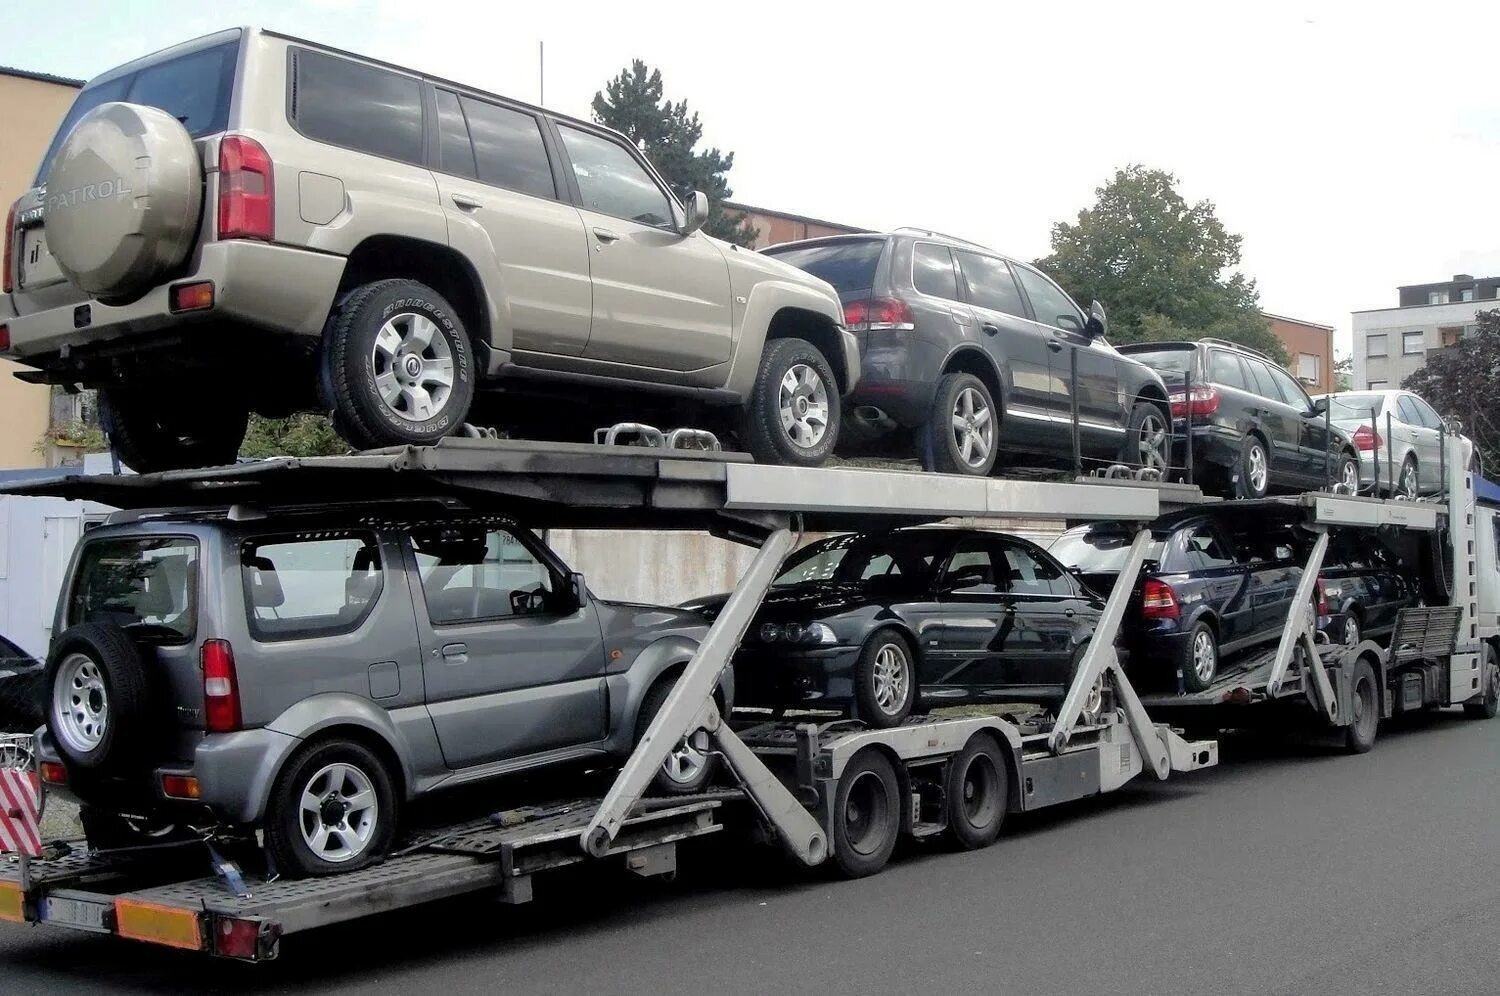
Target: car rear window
[(315, 584), (849, 265), (356, 106), (147, 585), (1173, 363), (193, 88), (1094, 550)]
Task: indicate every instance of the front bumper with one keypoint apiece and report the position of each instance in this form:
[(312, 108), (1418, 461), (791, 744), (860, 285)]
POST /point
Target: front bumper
[(809, 678), (255, 283)]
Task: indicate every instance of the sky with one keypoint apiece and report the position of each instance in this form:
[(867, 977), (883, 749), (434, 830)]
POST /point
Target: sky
[(1355, 146)]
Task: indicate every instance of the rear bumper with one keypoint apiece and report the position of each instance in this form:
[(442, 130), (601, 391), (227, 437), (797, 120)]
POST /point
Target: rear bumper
[(1213, 445), (255, 283), (900, 375)]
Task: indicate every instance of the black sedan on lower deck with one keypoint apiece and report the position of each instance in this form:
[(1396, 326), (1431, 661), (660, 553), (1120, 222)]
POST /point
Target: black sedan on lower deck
[(887, 623)]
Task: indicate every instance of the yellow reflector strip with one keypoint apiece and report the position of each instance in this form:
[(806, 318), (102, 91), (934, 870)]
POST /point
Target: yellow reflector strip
[(158, 924), (10, 903)]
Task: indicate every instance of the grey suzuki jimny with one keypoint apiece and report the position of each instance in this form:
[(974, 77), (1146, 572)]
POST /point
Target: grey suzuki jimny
[(252, 223), (310, 673)]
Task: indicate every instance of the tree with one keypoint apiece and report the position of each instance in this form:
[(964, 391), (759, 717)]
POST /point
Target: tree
[(1462, 382), (668, 134), (300, 435), (1343, 373), (1164, 269)]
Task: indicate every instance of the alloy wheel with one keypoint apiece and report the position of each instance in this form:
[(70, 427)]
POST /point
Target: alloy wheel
[(803, 403), (1151, 443), (413, 366), (685, 764), (890, 679), (1257, 467), (973, 427), (1351, 631), (1204, 658), (338, 812), (1409, 479), (1349, 477)]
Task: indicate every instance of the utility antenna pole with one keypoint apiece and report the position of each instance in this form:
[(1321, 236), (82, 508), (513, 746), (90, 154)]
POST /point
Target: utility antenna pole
[(541, 73)]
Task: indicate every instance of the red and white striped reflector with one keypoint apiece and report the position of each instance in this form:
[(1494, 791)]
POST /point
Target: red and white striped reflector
[(20, 812)]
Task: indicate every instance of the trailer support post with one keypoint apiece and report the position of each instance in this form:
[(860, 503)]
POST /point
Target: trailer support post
[(1299, 628)]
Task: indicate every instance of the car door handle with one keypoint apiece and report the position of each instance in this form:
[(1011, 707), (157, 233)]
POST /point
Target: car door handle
[(606, 236), (990, 328), (1009, 610), (466, 202), (1070, 613), (1055, 345), (456, 653)]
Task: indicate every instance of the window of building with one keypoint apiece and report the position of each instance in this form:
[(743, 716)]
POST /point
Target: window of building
[(316, 584), (1375, 345), (612, 181), (358, 107), (1467, 294), (1413, 343), (932, 271), (1470, 329), (1378, 385), (1307, 367), (1437, 297)]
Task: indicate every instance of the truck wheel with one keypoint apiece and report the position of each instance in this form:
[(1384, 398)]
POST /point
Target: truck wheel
[(1489, 703), (866, 815), (1200, 658), (1146, 439), (962, 426), (1364, 701), (793, 415), (332, 809), (977, 793), (885, 680), (152, 430), (398, 365), (98, 710), (690, 766)]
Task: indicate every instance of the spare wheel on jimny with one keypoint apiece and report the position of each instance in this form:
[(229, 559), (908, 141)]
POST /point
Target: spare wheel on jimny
[(99, 699)]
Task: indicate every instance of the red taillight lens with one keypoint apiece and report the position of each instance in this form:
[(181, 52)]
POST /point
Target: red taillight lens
[(7, 279), (4, 338), (1159, 601), (1366, 438), (1204, 401), (180, 787), (221, 687), (54, 773), (878, 313), (236, 938), (192, 297), (247, 194), (1320, 598)]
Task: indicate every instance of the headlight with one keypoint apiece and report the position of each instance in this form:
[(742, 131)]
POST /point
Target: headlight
[(808, 634), (770, 632), (818, 633)]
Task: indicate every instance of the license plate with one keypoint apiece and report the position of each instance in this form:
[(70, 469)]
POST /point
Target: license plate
[(78, 913), (38, 268)]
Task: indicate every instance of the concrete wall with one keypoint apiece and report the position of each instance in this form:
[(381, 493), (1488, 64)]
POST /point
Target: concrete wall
[(30, 110)]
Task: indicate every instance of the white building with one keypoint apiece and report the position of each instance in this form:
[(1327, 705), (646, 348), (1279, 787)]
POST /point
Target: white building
[(1390, 344)]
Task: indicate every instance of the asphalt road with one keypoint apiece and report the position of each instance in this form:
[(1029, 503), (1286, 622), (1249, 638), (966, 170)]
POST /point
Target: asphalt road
[(1288, 869)]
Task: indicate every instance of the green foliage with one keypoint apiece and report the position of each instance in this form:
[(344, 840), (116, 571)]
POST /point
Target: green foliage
[(632, 103), (1163, 268), (299, 435), (1462, 381), (1343, 373), (75, 433)]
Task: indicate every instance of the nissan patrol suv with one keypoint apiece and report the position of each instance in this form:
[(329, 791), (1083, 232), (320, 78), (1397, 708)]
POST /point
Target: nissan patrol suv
[(253, 223), (310, 673)]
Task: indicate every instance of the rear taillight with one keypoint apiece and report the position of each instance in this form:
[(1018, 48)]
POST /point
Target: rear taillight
[(53, 773), (4, 338), (1159, 601), (247, 194), (877, 314), (1366, 438), (7, 280), (1320, 598), (221, 687), (1201, 401)]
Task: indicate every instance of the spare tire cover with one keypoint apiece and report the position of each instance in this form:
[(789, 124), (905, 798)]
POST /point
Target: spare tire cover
[(123, 199)]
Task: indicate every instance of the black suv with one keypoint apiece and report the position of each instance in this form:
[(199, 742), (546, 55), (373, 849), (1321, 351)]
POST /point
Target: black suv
[(974, 352), (1252, 426)]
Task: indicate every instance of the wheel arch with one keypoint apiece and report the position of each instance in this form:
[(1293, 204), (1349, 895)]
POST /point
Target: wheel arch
[(337, 714), (970, 359), (794, 322), (753, 327)]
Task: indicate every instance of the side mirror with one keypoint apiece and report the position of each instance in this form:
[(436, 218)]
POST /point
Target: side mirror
[(696, 208), (579, 590), (1320, 407), (1098, 324)]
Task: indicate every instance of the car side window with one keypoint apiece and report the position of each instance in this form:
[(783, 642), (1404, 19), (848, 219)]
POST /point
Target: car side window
[(1051, 305), (1425, 412), (1408, 411), (358, 106), (1203, 549), (1260, 379), (508, 148), (1225, 369), (1291, 391), (455, 151), (972, 569), (932, 271), (613, 182), (473, 573), (991, 285), (1030, 574), (315, 584)]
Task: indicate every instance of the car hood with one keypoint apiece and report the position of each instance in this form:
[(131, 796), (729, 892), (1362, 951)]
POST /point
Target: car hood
[(662, 616), (816, 599)]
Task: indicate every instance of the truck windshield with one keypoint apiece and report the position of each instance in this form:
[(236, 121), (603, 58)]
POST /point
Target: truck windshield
[(149, 585), (194, 88)]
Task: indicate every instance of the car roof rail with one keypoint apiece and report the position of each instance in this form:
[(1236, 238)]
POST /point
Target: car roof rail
[(1240, 346), (919, 230)]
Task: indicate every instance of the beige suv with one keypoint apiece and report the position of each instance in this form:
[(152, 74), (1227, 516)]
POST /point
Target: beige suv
[(249, 222)]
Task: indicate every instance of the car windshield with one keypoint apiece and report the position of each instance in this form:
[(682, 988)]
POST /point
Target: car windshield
[(149, 585), (859, 556), (847, 264), (1356, 405), (1095, 550), (194, 88)]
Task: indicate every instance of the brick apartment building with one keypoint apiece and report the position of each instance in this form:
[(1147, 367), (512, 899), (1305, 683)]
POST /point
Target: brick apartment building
[(1309, 351), (775, 227)]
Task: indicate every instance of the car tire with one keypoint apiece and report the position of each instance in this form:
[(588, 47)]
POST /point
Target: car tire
[(1254, 476), (690, 766), (387, 352), (976, 793), (1407, 485), (1147, 439), (885, 680), (1489, 703), (866, 814), (155, 431), (1346, 473), (1352, 634), (98, 704), (795, 395), (352, 826), (1364, 702), (962, 397), (1200, 658)]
